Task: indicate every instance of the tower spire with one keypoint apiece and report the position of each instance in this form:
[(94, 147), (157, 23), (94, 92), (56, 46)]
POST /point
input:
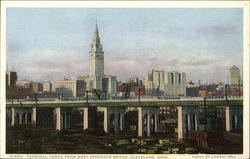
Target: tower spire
[(96, 31), (96, 39)]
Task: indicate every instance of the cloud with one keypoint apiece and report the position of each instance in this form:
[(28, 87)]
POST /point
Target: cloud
[(50, 65), (155, 31), (217, 30), (199, 62)]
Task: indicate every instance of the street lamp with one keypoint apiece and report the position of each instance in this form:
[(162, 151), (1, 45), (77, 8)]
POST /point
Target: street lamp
[(139, 95)]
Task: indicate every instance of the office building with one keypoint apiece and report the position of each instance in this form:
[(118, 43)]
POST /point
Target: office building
[(234, 76), (165, 83), (69, 88), (47, 87)]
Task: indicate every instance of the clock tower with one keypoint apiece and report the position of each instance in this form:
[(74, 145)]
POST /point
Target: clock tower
[(96, 62)]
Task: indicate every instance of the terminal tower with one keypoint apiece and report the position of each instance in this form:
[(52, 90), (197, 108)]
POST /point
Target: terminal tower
[(96, 79), (96, 62)]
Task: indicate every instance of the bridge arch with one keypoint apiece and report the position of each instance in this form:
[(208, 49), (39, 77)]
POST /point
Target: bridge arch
[(145, 125), (147, 120), (23, 118), (18, 118), (112, 123), (29, 118), (153, 123)]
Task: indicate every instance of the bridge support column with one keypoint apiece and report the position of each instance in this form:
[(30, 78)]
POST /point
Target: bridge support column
[(89, 117), (85, 118), (58, 121), (121, 122), (148, 119), (13, 116), (113, 119), (187, 120), (34, 116), (234, 118), (26, 118), (20, 118)]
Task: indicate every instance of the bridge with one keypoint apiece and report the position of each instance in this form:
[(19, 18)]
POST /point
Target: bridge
[(145, 102), (60, 113)]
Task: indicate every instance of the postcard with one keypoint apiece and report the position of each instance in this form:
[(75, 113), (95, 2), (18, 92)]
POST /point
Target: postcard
[(123, 79)]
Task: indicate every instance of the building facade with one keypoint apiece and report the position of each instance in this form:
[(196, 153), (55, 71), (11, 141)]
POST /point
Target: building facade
[(37, 87), (109, 84), (11, 89), (11, 78), (234, 76), (166, 83), (69, 88), (47, 87), (175, 84), (130, 89)]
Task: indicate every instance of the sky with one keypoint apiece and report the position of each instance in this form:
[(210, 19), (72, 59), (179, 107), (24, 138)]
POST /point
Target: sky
[(47, 44)]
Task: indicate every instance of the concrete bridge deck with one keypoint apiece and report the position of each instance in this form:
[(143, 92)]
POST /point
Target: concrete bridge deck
[(145, 102)]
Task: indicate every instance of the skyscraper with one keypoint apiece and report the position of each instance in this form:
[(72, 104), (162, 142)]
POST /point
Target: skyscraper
[(11, 78), (96, 79), (234, 76), (96, 63), (169, 83)]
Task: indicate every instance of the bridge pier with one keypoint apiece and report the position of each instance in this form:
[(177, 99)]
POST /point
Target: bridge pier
[(113, 119), (13, 116), (21, 116), (89, 117), (148, 119), (234, 119), (62, 118), (58, 118), (34, 116), (187, 120)]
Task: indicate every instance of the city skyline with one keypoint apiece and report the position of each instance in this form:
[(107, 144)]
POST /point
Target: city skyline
[(188, 40)]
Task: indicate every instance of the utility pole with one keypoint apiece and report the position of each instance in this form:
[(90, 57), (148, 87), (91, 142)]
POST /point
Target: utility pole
[(239, 86), (87, 97), (226, 87), (158, 93), (36, 97), (139, 95), (205, 113)]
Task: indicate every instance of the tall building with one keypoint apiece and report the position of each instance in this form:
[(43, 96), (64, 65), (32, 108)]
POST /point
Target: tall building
[(234, 76), (37, 87), (109, 84), (96, 79), (175, 84), (96, 63), (47, 87), (11, 78), (11, 90), (69, 88), (155, 80), (168, 83)]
